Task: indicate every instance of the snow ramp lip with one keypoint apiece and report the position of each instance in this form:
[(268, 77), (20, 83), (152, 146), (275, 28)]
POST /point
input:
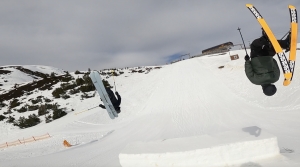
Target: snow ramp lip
[(226, 148)]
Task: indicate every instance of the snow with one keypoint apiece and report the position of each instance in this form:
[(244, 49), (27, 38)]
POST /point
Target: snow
[(18, 77), (168, 109), (222, 149), (44, 69)]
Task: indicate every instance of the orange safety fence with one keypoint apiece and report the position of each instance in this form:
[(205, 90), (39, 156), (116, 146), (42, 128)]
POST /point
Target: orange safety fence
[(23, 141)]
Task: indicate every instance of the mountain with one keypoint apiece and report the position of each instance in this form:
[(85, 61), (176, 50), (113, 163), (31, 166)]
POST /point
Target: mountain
[(16, 75), (206, 97)]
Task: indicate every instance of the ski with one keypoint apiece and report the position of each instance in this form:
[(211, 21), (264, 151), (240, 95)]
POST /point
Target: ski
[(279, 51), (293, 42)]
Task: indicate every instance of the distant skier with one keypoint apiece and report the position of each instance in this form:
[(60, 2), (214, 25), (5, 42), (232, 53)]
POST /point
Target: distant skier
[(115, 102), (262, 69)]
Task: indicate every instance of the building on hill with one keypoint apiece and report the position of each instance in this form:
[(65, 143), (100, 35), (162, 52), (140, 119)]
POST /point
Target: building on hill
[(224, 47)]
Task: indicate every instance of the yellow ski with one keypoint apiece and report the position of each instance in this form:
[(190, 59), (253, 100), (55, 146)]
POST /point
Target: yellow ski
[(293, 42)]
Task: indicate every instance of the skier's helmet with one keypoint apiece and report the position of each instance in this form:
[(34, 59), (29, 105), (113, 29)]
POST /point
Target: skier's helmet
[(269, 89)]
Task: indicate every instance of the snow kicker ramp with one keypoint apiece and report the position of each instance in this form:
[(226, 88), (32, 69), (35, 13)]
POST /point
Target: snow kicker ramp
[(221, 149)]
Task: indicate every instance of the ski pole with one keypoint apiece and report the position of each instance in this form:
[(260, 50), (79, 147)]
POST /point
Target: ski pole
[(243, 40), (286, 34)]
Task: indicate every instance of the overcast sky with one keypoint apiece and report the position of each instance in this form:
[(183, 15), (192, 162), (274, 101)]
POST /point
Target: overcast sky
[(99, 34)]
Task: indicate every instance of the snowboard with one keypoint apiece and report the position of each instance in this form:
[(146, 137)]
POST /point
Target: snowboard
[(97, 81)]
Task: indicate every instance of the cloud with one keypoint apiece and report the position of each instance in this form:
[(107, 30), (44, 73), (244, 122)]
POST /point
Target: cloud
[(77, 35)]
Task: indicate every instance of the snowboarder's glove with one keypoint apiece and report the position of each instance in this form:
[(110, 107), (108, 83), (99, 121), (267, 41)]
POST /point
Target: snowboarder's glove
[(102, 106), (117, 93), (247, 58)]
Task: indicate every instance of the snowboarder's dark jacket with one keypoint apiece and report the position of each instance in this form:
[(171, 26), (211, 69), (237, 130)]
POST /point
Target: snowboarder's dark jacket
[(115, 102), (262, 68)]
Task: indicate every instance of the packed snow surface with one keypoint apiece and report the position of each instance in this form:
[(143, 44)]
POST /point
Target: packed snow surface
[(220, 149), (207, 98)]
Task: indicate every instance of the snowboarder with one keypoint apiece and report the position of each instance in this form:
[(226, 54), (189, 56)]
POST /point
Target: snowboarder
[(262, 69), (115, 102)]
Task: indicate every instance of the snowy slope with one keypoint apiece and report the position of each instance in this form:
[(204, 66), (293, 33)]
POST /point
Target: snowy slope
[(189, 98), (19, 77)]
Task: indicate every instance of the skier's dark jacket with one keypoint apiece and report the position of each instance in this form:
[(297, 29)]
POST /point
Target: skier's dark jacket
[(115, 102), (262, 68)]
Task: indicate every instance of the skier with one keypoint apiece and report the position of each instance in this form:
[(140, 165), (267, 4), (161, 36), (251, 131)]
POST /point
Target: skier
[(262, 69), (115, 102)]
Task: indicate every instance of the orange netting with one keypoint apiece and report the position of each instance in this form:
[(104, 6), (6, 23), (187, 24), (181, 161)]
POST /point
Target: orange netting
[(23, 141)]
